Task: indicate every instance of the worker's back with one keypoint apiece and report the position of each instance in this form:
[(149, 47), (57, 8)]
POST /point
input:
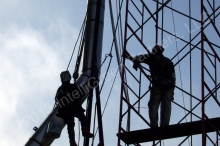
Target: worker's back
[(67, 98)]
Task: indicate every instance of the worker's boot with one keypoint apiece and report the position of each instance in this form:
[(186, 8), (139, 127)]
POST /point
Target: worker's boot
[(86, 133), (73, 143)]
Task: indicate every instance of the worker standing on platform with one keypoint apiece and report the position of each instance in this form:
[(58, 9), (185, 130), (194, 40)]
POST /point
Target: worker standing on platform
[(163, 83), (66, 97)]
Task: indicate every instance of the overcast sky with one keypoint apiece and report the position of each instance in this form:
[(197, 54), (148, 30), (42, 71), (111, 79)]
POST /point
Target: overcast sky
[(36, 39)]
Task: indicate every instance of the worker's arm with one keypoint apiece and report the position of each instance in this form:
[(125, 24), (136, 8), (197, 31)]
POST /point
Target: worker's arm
[(144, 58), (57, 97)]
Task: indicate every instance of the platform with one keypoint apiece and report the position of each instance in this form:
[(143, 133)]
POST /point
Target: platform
[(171, 131)]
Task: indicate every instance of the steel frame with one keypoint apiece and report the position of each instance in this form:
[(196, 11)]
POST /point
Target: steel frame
[(202, 42)]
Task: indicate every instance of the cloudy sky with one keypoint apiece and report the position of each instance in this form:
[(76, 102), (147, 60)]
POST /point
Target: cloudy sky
[(36, 39)]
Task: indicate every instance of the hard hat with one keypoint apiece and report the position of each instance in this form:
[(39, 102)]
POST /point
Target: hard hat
[(65, 76), (157, 49)]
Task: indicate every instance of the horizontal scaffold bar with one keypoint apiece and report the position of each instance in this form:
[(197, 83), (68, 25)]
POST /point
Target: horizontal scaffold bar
[(171, 131)]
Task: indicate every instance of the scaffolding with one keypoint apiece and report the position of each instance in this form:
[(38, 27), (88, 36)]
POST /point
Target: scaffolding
[(189, 32)]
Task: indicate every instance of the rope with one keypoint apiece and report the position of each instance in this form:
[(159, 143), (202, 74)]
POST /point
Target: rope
[(110, 55), (120, 32), (190, 55), (106, 72), (118, 53), (76, 71), (107, 99), (162, 23), (101, 65), (106, 56), (162, 35), (174, 27), (76, 42)]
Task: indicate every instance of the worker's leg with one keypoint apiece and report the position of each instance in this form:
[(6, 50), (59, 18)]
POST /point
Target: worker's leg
[(83, 120), (166, 99), (153, 105), (70, 128), (73, 143)]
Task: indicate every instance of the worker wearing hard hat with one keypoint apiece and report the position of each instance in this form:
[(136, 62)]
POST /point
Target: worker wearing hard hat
[(163, 83)]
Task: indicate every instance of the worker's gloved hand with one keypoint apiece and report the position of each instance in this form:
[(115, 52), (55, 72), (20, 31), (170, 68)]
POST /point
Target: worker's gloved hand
[(135, 65), (136, 62)]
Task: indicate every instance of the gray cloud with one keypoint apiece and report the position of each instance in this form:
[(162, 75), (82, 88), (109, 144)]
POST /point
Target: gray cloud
[(30, 68)]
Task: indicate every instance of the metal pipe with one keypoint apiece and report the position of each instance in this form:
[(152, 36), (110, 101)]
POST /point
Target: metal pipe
[(37, 137)]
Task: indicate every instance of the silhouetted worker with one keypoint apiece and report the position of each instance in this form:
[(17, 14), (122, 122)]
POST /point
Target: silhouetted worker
[(163, 83), (67, 97)]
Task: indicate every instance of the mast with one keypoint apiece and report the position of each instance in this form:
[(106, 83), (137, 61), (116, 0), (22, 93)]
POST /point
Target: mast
[(90, 72)]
